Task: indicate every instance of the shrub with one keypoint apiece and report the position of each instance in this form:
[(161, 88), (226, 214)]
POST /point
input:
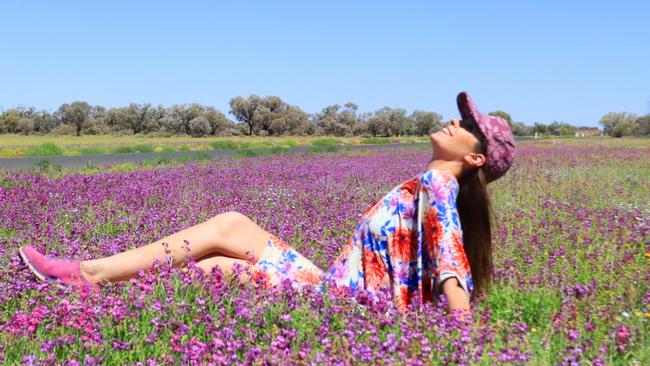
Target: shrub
[(164, 149), (156, 161), (202, 147), (45, 149), (279, 150), (320, 149), (256, 144), (184, 158), (202, 156), (184, 148), (290, 143), (125, 167), (375, 140), (122, 150), (91, 150), (142, 148), (42, 165), (246, 152), (11, 153), (46, 166), (64, 129), (327, 142), (199, 127), (224, 145), (95, 127)]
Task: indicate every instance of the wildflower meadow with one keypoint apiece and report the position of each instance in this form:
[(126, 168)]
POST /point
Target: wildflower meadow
[(572, 223)]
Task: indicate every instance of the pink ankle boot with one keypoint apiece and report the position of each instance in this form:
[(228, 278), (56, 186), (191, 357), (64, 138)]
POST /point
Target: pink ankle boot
[(68, 271)]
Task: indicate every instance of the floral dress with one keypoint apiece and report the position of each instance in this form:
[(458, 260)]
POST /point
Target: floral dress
[(408, 243)]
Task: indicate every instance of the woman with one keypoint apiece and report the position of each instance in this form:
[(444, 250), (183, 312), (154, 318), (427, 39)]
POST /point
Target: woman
[(409, 243)]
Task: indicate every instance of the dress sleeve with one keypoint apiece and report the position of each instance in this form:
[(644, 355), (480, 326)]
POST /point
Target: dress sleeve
[(444, 238)]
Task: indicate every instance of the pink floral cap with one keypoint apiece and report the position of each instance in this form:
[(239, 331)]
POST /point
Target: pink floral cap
[(497, 132)]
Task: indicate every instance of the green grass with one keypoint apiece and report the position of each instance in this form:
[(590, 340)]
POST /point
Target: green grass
[(165, 149), (375, 140), (156, 161), (122, 150), (202, 156), (261, 144), (290, 143), (224, 145), (327, 141), (249, 153), (45, 149), (143, 148), (320, 149), (93, 150)]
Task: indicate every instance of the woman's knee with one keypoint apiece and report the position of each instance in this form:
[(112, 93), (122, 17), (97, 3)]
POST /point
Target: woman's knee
[(228, 222)]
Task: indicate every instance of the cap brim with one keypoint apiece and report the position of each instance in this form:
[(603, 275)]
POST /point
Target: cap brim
[(466, 107)]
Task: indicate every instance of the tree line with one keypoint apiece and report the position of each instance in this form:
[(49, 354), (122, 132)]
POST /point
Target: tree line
[(265, 116)]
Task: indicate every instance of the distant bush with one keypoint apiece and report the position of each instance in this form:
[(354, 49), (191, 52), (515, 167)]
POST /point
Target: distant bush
[(164, 149), (125, 167), (279, 150), (45, 149), (42, 164), (184, 148), (247, 153), (64, 129), (122, 150), (143, 148), (320, 149), (290, 143), (11, 153), (202, 156), (91, 150), (46, 166), (184, 158), (327, 142), (256, 144), (202, 147), (224, 145), (375, 140), (156, 161)]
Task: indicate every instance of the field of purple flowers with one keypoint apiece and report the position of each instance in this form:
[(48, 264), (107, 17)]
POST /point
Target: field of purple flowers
[(571, 258)]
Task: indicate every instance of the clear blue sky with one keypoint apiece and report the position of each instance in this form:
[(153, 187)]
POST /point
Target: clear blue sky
[(541, 61)]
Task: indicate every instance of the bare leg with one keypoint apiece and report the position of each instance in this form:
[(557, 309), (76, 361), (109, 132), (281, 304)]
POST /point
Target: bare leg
[(225, 263), (229, 234)]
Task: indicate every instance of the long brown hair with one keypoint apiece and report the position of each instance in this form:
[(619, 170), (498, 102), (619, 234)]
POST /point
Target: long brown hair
[(475, 213)]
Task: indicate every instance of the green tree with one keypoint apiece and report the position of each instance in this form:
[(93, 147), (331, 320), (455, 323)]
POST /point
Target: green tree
[(520, 129), (642, 126), (618, 124), (75, 114), (199, 127), (9, 120), (503, 115), (246, 110), (426, 122), (217, 121)]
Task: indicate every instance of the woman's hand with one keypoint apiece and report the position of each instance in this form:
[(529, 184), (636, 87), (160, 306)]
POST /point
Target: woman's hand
[(457, 297)]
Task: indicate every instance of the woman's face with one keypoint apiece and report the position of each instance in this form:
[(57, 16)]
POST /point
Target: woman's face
[(453, 142)]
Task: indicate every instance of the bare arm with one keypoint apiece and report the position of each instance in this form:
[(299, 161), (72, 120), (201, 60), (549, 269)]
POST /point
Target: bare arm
[(456, 295)]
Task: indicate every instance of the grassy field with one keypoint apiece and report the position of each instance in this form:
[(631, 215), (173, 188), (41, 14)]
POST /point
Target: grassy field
[(19, 145), (571, 254)]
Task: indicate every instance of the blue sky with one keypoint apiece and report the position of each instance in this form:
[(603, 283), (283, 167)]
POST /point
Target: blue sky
[(541, 61)]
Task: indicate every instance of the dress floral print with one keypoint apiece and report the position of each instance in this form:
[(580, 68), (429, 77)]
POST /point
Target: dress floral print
[(408, 243)]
